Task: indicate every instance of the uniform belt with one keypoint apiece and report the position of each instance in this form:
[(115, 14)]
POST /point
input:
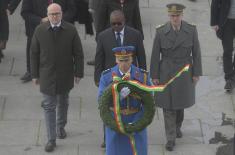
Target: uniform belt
[(127, 111)]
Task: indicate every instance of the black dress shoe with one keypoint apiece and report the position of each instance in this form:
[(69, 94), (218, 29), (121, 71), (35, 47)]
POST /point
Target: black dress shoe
[(179, 133), (1, 54), (61, 133), (26, 77), (229, 85), (27, 80), (103, 145), (170, 145), (50, 146), (92, 62)]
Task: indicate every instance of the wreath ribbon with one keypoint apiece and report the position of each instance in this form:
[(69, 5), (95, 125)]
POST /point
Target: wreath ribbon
[(116, 99)]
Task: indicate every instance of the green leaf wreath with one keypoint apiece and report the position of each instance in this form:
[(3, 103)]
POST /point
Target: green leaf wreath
[(147, 101)]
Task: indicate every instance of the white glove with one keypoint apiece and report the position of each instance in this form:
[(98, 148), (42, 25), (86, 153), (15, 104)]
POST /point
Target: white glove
[(125, 91)]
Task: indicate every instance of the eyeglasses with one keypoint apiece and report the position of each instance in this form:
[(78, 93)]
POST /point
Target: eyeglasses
[(116, 23), (54, 14)]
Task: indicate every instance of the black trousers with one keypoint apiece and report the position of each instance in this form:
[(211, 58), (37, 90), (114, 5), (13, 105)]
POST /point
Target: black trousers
[(29, 39), (4, 26), (227, 42)]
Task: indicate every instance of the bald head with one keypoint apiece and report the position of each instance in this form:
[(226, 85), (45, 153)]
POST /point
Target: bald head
[(117, 20), (54, 13), (53, 6), (118, 13)]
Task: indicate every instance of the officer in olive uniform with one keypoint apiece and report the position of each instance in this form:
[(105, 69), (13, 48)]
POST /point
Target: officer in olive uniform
[(175, 45)]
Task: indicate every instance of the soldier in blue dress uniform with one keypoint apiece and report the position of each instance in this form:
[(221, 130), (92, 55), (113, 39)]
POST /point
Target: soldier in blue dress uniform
[(131, 109)]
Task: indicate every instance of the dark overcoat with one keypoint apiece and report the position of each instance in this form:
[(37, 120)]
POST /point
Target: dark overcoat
[(105, 58), (34, 10), (4, 23), (56, 58), (83, 16), (170, 53), (130, 8), (94, 5)]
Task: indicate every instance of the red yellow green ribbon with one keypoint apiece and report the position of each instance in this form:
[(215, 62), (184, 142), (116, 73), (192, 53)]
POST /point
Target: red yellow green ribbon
[(116, 99)]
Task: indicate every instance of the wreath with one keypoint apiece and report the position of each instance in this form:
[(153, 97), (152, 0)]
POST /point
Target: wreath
[(106, 100)]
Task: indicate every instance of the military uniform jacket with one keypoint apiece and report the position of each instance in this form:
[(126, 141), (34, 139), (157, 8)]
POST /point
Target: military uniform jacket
[(171, 52), (56, 58), (116, 143)]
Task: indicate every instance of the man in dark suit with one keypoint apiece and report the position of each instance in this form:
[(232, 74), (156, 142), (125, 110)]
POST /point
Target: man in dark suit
[(117, 35), (56, 63), (34, 12), (7, 7), (130, 9), (223, 22)]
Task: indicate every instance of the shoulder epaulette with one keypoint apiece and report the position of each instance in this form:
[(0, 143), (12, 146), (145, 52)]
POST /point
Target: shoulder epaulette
[(106, 71), (191, 24), (159, 26), (143, 71)]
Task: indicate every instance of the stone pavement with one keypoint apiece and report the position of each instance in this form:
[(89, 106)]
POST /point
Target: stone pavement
[(208, 126)]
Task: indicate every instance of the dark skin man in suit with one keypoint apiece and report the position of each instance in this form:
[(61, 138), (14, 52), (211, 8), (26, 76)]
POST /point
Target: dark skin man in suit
[(107, 40)]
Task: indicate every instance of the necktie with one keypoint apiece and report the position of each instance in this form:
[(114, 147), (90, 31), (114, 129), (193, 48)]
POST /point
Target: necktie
[(55, 28), (50, 1), (119, 41)]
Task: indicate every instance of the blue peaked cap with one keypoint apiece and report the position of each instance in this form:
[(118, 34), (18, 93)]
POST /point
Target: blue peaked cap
[(123, 51)]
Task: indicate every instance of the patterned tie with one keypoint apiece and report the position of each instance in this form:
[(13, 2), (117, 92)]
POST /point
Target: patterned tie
[(56, 28), (119, 41)]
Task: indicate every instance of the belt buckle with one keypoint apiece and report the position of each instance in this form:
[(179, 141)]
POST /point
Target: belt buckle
[(127, 111)]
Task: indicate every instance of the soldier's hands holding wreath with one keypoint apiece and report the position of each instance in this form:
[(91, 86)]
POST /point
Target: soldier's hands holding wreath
[(125, 91)]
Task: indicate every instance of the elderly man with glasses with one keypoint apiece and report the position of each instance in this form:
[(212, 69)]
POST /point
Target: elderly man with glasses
[(34, 12), (56, 63)]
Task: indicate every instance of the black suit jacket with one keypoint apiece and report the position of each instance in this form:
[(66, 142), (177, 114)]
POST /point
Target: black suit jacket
[(106, 41), (219, 13), (34, 10)]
